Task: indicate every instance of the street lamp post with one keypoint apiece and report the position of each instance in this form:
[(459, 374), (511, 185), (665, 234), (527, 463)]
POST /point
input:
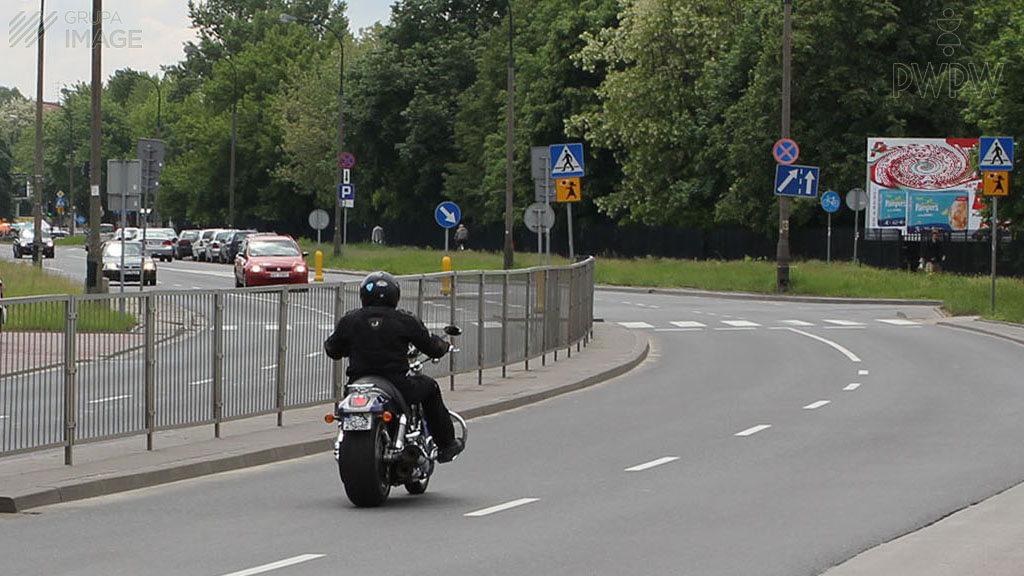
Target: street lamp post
[(288, 18), (159, 135), (510, 139), (234, 138), (37, 204), (71, 158), (782, 249)]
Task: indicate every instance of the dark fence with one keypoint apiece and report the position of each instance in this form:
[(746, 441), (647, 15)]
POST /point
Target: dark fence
[(966, 253)]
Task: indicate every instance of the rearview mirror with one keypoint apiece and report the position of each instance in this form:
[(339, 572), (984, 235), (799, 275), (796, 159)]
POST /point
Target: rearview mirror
[(452, 330)]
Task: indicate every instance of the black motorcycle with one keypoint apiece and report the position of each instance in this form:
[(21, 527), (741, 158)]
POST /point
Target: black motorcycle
[(384, 441)]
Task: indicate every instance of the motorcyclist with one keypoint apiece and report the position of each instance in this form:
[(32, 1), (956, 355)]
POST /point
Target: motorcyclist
[(376, 340)]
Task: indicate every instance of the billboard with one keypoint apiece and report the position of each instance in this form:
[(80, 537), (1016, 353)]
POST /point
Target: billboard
[(917, 184)]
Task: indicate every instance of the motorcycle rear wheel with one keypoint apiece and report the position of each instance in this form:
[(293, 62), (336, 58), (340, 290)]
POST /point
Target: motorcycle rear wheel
[(367, 478)]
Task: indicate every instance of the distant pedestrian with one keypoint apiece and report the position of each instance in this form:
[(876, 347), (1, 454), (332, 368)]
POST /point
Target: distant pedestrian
[(461, 236), (933, 255), (377, 235)]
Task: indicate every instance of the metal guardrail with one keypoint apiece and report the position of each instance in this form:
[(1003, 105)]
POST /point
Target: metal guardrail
[(85, 368)]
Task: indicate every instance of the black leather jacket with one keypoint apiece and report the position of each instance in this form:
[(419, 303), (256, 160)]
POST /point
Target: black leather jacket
[(376, 340)]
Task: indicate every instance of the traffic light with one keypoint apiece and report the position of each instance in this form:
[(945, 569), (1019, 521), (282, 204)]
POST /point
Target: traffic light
[(151, 154), (85, 168)]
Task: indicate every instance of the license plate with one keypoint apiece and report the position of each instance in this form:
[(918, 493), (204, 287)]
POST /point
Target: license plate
[(278, 274), (357, 422)]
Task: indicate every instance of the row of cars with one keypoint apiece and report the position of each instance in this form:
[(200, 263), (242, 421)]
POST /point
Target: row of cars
[(259, 258)]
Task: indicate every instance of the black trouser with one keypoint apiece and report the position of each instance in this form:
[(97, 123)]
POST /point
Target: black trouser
[(422, 389)]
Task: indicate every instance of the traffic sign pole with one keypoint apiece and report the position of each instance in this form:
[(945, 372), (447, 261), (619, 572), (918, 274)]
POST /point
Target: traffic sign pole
[(995, 242)]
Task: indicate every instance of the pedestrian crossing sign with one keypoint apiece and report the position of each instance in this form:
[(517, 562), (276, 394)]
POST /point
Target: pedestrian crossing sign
[(568, 190), (566, 160), (995, 153)]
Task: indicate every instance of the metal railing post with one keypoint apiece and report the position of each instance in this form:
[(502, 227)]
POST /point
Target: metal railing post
[(70, 372), (544, 318), (451, 321), (150, 359), (282, 353), (338, 372), (504, 325), (526, 322), (480, 340), (218, 362)]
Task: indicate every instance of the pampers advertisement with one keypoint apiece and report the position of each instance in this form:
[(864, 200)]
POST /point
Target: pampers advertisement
[(923, 184)]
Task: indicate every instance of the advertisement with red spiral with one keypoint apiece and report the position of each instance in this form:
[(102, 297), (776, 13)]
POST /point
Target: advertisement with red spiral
[(917, 184)]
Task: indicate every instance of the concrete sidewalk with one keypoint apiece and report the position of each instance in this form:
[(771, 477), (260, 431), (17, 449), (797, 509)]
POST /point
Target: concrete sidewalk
[(40, 479)]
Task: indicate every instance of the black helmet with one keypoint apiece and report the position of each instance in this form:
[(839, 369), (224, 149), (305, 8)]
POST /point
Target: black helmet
[(380, 289)]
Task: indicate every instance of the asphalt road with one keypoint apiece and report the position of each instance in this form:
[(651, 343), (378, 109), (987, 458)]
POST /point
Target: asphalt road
[(760, 438)]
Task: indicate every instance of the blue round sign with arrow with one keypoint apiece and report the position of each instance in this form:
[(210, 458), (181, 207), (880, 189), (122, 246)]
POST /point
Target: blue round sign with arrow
[(830, 201), (447, 214)]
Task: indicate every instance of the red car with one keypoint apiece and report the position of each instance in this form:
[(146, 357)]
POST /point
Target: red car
[(270, 259)]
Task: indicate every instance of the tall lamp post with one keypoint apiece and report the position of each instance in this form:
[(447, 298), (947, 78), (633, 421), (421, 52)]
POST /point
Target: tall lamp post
[(37, 203), (71, 157), (782, 250), (288, 18), (159, 135), (510, 138)]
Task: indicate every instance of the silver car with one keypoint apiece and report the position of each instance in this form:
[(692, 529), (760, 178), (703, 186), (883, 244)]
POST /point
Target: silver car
[(219, 240), (138, 267), (159, 242)]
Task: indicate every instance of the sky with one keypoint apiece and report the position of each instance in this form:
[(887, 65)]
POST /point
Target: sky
[(140, 34)]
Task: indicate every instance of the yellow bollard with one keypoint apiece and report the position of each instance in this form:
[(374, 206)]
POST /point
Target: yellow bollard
[(319, 259), (446, 282)]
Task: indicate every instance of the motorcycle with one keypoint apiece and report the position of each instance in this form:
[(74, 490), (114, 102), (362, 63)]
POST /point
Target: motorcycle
[(384, 441)]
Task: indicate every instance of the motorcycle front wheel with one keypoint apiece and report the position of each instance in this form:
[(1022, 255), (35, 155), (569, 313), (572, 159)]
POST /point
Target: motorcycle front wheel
[(364, 473)]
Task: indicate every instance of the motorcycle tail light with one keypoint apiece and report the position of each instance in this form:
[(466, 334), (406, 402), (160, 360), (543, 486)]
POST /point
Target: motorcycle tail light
[(329, 418), (387, 416), (360, 401)]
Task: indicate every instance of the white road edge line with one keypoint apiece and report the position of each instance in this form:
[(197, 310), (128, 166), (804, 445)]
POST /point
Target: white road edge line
[(754, 430), (502, 507), (852, 386), (853, 357), (652, 464), (818, 404), (275, 565)]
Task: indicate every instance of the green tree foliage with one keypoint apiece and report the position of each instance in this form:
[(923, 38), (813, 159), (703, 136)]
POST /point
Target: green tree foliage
[(995, 44)]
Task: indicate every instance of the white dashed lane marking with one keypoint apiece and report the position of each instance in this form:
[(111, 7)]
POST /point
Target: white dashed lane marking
[(652, 464), (502, 507), (754, 430)]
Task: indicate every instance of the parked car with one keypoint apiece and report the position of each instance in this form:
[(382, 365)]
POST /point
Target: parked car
[(23, 244), (159, 242), (229, 250), (130, 233), (138, 266), (186, 240), (106, 231), (199, 247), (270, 259), (215, 243)]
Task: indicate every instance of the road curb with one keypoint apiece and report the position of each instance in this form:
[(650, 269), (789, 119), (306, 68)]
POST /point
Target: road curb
[(991, 330), (103, 486), (756, 296)]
